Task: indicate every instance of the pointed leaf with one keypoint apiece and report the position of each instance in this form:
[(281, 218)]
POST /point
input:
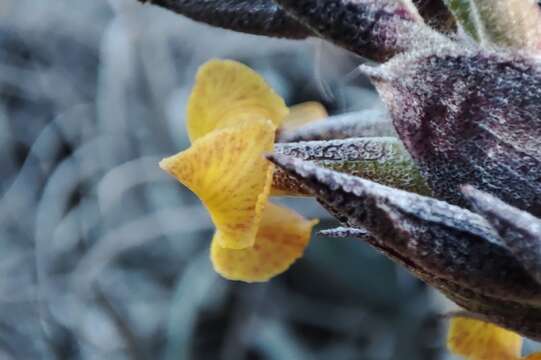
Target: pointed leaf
[(469, 117), (260, 17), (344, 232), (520, 231), (380, 159), (356, 124), (375, 29), (442, 243)]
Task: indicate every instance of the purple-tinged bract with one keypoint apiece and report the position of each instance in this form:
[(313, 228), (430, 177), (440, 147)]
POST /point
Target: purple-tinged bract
[(469, 117)]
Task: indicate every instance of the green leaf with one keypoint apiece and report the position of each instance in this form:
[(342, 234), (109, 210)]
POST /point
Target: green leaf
[(380, 159)]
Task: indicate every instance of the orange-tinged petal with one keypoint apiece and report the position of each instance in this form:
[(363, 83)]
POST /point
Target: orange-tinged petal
[(227, 170), (479, 340), (304, 113), (282, 237), (535, 356), (226, 93)]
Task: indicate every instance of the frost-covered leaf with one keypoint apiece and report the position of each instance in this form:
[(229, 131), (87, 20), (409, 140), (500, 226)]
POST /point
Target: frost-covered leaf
[(375, 29), (261, 17), (451, 248), (520, 231), (469, 117), (343, 232), (440, 239), (381, 159), (356, 124)]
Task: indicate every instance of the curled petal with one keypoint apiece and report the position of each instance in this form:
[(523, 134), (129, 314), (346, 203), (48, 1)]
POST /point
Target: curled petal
[(479, 340), (281, 239), (227, 171), (226, 93)]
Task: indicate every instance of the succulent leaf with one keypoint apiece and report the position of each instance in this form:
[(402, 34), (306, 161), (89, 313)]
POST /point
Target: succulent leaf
[(469, 117), (355, 124), (381, 159), (520, 231)]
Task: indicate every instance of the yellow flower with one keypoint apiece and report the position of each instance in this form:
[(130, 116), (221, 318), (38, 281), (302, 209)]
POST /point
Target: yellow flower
[(232, 120), (479, 340)]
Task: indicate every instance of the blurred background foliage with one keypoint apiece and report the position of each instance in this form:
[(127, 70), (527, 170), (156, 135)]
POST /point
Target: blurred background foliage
[(103, 256)]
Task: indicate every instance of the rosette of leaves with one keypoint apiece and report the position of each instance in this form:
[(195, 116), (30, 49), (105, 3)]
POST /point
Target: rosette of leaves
[(462, 83)]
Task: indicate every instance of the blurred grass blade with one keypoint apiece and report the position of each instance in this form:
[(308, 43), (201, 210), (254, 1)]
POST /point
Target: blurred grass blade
[(381, 159)]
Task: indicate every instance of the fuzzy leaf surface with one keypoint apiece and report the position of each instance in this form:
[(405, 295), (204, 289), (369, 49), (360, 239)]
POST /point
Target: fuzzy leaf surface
[(451, 248)]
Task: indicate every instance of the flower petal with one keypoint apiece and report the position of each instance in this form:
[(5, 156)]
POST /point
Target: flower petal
[(479, 340), (535, 356), (228, 172), (226, 93), (303, 114), (282, 237)]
